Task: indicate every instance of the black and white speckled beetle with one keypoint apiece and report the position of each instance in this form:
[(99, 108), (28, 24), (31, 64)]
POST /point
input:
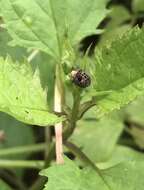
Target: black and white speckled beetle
[(80, 78)]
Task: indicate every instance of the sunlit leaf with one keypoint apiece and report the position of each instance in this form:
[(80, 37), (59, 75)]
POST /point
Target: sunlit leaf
[(44, 24), (119, 69), (22, 95), (124, 176)]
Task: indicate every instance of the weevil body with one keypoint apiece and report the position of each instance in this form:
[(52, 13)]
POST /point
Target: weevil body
[(80, 78)]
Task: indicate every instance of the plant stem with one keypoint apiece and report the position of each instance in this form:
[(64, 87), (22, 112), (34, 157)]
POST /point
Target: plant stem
[(21, 164), (22, 149), (74, 114), (77, 152), (58, 126), (85, 107)]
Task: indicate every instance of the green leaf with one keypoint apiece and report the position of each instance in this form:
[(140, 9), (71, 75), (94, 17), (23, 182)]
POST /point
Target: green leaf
[(138, 5), (68, 177), (97, 139), (22, 95), (44, 24), (121, 154), (119, 68), (4, 186), (125, 176)]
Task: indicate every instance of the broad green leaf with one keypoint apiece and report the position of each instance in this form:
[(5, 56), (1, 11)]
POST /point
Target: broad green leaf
[(4, 186), (22, 95), (138, 5), (120, 63), (68, 177), (97, 139), (119, 68), (124, 176), (121, 154), (44, 24), (119, 98)]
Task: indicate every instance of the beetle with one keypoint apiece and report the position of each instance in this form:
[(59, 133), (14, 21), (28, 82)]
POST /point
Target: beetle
[(80, 78)]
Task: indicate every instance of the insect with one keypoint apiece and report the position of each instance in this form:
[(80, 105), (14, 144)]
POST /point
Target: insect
[(80, 78)]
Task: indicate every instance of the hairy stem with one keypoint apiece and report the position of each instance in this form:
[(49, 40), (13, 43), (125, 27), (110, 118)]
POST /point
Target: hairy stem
[(58, 126)]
